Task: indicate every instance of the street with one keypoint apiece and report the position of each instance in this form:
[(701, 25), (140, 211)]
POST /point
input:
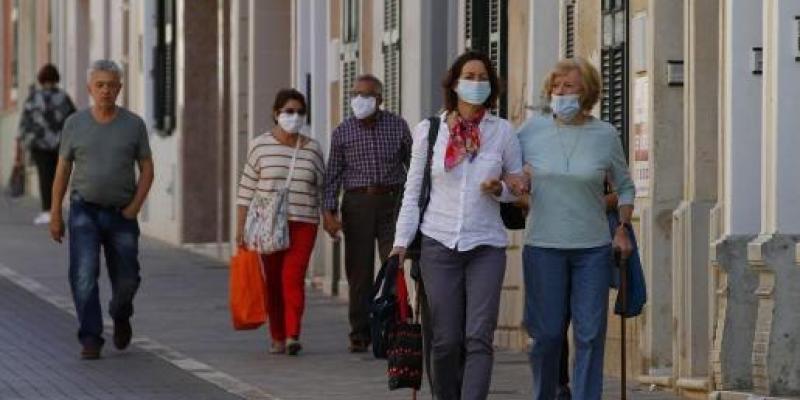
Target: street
[(184, 346)]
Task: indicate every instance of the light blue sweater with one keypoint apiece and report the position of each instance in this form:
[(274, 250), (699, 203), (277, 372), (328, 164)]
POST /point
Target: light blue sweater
[(570, 164)]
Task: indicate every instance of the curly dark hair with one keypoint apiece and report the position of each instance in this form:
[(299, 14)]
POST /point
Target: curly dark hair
[(451, 79), (283, 96)]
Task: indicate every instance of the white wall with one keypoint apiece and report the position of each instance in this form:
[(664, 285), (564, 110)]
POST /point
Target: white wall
[(782, 119), (742, 119)]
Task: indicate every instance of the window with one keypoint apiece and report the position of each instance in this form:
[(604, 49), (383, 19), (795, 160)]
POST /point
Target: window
[(164, 77), (391, 55), (490, 36), (349, 55), (613, 67)]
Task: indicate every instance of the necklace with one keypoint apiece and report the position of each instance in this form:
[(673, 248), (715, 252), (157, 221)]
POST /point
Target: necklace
[(567, 155)]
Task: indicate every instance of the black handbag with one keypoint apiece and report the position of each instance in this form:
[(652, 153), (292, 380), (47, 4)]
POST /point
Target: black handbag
[(404, 354), (382, 306), (413, 250), (513, 216), (16, 182)]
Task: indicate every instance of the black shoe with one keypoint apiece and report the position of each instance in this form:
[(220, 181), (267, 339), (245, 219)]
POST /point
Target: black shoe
[(358, 346), (293, 347), (90, 352), (122, 333)]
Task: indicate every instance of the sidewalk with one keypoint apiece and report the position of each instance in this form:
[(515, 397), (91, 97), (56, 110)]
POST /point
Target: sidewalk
[(182, 305)]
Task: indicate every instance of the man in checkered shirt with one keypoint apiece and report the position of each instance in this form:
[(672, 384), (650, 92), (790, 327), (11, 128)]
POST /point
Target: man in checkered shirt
[(368, 158)]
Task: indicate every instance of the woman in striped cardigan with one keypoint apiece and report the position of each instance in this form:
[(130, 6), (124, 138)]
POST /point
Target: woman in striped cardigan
[(268, 163)]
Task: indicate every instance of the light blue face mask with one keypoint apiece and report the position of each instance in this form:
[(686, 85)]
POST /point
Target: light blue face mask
[(565, 107), (473, 92)]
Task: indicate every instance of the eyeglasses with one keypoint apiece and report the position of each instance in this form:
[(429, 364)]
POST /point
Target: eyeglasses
[(293, 111)]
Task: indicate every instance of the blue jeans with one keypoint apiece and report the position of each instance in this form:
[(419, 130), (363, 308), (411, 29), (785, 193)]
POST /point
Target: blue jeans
[(90, 228), (560, 282)]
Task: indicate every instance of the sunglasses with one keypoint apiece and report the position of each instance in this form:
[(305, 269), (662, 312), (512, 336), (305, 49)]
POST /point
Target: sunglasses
[(293, 111)]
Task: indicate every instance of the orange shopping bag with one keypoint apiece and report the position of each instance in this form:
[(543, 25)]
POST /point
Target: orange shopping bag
[(247, 290)]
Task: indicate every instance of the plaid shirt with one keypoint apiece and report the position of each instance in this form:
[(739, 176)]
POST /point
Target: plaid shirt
[(367, 156)]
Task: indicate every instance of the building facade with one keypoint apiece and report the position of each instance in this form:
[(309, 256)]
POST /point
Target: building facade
[(705, 94)]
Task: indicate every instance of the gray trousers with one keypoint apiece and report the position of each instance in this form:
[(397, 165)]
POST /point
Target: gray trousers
[(463, 292)]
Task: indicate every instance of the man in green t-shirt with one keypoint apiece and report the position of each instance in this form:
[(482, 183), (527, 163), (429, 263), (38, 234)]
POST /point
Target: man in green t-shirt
[(100, 148)]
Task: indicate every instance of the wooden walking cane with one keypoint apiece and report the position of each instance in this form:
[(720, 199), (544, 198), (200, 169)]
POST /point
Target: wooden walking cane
[(623, 293)]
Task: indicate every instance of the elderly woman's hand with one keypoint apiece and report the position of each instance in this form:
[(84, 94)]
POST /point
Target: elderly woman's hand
[(622, 244), (519, 184)]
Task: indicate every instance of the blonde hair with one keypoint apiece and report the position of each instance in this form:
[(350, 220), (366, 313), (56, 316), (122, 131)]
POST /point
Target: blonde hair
[(592, 85)]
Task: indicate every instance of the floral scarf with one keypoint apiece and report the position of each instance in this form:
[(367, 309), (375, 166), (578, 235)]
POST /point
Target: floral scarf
[(464, 141)]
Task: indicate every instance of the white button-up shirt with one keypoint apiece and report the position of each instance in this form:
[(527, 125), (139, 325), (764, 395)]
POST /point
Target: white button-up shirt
[(459, 215)]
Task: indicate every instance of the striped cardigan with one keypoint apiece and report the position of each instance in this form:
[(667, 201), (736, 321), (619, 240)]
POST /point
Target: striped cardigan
[(266, 169)]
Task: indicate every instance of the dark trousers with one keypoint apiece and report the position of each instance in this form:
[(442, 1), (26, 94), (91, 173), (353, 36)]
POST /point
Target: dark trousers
[(366, 219), (90, 228), (46, 167)]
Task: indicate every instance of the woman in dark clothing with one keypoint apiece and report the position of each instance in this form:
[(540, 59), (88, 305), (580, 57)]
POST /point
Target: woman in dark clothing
[(43, 116)]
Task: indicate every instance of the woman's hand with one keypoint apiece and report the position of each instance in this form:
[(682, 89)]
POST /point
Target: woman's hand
[(622, 243), (400, 252), (492, 186), (240, 237)]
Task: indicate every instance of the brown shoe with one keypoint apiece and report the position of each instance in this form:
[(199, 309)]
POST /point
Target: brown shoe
[(122, 333), (90, 352), (358, 346)]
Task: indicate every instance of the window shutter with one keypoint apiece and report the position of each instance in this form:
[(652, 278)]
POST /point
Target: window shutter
[(349, 56), (391, 55), (468, 28), (486, 30), (164, 77), (612, 65), (498, 45), (569, 27)]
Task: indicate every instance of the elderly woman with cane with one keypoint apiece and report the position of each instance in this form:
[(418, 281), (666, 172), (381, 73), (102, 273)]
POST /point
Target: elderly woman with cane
[(567, 260)]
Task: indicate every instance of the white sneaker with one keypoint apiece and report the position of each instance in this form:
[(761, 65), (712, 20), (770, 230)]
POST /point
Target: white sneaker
[(42, 219)]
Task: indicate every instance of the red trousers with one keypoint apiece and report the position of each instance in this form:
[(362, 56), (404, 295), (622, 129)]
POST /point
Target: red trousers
[(285, 275)]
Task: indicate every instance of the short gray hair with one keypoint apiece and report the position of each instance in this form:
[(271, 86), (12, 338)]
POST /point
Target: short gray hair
[(373, 79), (104, 65)]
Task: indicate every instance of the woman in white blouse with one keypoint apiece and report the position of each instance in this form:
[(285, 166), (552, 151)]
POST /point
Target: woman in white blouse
[(463, 257)]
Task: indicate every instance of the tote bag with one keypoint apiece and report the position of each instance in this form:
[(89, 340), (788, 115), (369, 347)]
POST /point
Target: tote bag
[(266, 229)]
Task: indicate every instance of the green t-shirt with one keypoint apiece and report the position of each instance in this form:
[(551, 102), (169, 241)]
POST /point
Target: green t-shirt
[(104, 155)]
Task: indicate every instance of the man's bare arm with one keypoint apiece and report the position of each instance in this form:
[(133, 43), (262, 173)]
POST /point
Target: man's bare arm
[(60, 184), (146, 177)]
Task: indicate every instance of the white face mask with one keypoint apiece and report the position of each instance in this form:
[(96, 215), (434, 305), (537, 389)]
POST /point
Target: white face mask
[(363, 106), (291, 123), (565, 107), (473, 92)]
